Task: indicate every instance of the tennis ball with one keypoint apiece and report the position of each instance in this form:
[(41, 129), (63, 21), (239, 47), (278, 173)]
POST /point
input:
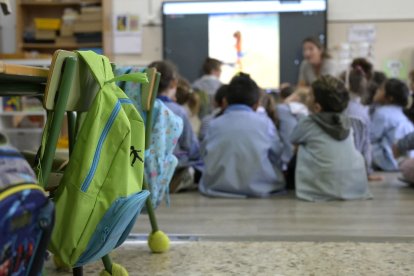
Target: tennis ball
[(158, 242)]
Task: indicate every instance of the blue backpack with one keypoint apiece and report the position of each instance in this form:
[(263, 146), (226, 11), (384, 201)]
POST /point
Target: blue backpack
[(27, 216)]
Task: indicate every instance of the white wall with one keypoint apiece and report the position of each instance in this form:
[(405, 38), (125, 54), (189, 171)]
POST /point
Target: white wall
[(8, 31), (370, 10)]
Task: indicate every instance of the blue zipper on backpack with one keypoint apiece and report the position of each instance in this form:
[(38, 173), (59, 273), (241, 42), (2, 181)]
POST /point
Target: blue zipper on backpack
[(104, 134)]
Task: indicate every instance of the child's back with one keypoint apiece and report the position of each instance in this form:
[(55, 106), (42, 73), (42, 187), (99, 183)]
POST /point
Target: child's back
[(327, 168), (241, 149), (328, 165), (358, 113), (389, 124)]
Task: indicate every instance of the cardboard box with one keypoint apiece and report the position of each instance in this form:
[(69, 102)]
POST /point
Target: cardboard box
[(87, 26), (65, 40), (93, 16), (66, 30), (45, 35)]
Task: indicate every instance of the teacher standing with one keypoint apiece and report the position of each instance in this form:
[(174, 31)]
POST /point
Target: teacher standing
[(317, 62)]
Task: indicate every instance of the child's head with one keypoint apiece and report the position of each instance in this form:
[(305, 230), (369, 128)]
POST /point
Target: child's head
[(185, 95), (378, 79), (357, 81), (328, 94), (269, 104), (411, 80), (286, 90), (220, 98), (393, 91), (169, 76), (365, 66), (212, 66), (183, 91), (243, 90)]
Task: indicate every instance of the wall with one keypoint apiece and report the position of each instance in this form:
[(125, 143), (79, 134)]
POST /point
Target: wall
[(7, 31), (394, 21)]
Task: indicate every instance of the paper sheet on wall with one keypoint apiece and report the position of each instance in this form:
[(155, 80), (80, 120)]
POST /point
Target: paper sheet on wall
[(362, 33), (127, 34)]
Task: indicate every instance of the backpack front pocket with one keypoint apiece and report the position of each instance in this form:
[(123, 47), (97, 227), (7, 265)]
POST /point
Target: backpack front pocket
[(113, 227)]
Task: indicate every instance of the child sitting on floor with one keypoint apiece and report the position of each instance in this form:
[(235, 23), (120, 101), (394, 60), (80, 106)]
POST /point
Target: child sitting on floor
[(241, 150), (220, 104), (358, 87), (389, 123), (328, 165), (187, 150), (289, 113)]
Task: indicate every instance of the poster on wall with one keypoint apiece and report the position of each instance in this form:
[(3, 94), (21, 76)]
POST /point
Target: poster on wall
[(127, 34), (394, 68)]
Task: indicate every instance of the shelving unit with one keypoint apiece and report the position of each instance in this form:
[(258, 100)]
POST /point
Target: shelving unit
[(28, 10), (23, 137)]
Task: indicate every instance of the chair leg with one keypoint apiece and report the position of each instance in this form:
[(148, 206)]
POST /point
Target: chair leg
[(150, 211), (77, 271), (107, 262)]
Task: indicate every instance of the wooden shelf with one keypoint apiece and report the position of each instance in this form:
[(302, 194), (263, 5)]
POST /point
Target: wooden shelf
[(71, 3), (60, 46), (22, 130), (22, 113)]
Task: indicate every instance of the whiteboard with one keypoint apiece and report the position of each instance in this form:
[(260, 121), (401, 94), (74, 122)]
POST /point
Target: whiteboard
[(370, 10)]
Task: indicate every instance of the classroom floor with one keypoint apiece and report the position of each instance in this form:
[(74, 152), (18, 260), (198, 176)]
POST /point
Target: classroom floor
[(277, 236)]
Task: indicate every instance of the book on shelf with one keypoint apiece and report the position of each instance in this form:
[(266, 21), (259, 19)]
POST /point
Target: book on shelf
[(10, 104), (91, 9)]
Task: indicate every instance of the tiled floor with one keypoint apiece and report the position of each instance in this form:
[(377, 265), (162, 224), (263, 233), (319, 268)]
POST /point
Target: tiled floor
[(388, 217), (277, 236)]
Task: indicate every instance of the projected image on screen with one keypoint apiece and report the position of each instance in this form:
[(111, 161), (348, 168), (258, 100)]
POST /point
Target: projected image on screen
[(247, 43)]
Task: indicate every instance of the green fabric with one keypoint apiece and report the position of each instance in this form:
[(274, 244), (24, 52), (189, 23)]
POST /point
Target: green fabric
[(79, 210)]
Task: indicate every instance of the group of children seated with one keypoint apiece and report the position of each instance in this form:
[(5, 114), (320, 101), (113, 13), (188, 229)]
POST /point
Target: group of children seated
[(323, 141)]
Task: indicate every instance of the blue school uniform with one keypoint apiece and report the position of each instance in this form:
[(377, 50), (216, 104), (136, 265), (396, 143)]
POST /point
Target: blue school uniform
[(187, 150), (241, 153), (388, 125), (360, 123), (289, 115), (328, 168)]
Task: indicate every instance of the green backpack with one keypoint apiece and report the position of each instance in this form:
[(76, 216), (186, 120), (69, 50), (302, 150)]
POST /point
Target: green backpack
[(100, 194)]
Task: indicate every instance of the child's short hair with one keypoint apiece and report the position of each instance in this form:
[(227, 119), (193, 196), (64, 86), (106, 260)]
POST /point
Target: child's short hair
[(211, 64), (398, 91), (287, 91), (168, 73), (243, 90), (330, 93), (221, 94)]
